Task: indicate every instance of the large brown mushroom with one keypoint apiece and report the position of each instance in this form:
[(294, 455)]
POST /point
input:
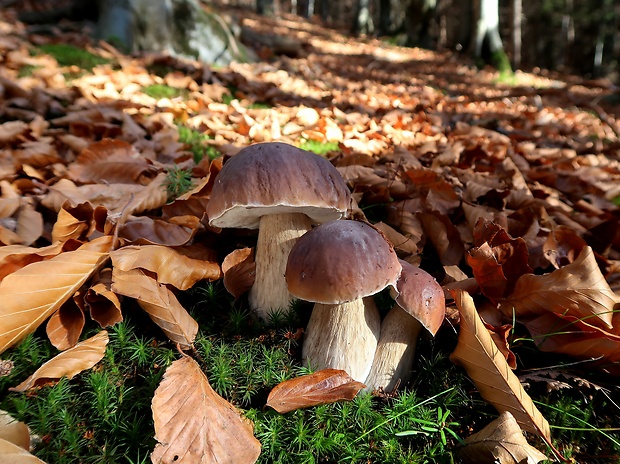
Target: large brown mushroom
[(336, 266), (420, 303), (280, 190)]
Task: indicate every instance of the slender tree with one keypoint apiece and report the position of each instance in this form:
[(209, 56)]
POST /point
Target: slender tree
[(487, 43)]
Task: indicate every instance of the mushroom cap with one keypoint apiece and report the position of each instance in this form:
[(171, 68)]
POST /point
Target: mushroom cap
[(341, 261), (276, 178), (419, 294)]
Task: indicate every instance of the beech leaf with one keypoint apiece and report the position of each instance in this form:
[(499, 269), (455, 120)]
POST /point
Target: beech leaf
[(159, 302), (170, 266), (65, 326), (10, 453), (194, 425), (239, 271), (486, 366), (13, 431), (69, 363), (578, 289), (321, 387), (33, 293), (502, 442)]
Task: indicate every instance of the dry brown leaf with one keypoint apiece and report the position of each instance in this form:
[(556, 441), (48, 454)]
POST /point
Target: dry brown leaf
[(486, 366), (13, 454), (578, 289), (65, 326), (239, 271), (111, 161), (170, 266), (14, 431), (103, 304), (69, 363), (78, 222), (33, 293), (500, 442), (321, 387), (14, 257), (147, 231), (194, 425), (159, 302)]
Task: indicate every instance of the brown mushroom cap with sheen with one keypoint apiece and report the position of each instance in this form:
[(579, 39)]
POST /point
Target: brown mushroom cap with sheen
[(420, 303), (281, 190), (336, 265)]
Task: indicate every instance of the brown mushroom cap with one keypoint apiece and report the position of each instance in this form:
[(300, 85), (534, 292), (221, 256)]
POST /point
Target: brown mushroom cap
[(341, 261), (275, 178), (421, 296)]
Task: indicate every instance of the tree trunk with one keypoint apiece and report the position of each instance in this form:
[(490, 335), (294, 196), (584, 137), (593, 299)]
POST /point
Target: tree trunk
[(363, 19), (517, 12), (487, 42), (177, 27), (419, 22)]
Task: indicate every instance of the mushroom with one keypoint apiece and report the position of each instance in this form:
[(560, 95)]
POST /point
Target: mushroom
[(337, 266), (420, 303), (280, 190)]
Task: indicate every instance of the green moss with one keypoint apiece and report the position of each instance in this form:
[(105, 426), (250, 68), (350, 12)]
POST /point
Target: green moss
[(320, 148), (159, 91), (197, 143), (68, 55)]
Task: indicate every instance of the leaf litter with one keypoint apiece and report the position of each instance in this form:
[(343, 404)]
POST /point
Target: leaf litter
[(512, 190)]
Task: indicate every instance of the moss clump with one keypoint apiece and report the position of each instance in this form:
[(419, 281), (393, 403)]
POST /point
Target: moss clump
[(159, 91), (320, 148), (197, 143), (68, 55)]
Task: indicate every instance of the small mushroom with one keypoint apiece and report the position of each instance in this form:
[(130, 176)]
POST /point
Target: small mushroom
[(280, 190), (337, 265), (420, 303)]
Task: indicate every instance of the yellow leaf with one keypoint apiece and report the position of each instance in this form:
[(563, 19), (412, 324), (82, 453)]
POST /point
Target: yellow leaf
[(194, 425), (33, 293), (69, 363)]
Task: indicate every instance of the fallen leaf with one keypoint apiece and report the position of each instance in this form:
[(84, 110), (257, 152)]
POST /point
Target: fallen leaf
[(159, 302), (500, 442), (578, 289), (103, 304), (69, 363), (194, 425), (65, 326), (13, 431), (321, 387), (33, 293), (13, 454), (239, 271), (170, 266), (486, 366)]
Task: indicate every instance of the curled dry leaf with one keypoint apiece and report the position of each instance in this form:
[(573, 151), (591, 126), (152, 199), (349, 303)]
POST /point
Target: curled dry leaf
[(33, 293), (103, 304), (321, 387), (69, 363), (170, 266), (239, 271), (147, 231), (159, 302), (13, 431), (78, 222), (14, 257), (194, 425), (501, 442), (486, 366), (13, 454), (578, 289), (65, 326)]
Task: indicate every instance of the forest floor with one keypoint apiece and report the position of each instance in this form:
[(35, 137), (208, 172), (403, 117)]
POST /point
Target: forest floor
[(503, 188)]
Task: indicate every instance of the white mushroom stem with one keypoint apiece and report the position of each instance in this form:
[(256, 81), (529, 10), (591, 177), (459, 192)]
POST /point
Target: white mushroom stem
[(277, 234), (343, 336), (395, 351)]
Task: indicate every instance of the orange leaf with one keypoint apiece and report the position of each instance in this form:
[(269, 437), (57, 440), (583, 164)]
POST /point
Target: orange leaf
[(321, 387), (486, 366), (194, 425), (102, 302), (65, 326), (170, 266), (239, 271), (69, 363)]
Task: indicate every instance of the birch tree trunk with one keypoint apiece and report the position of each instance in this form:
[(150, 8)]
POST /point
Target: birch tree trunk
[(517, 13), (487, 42)]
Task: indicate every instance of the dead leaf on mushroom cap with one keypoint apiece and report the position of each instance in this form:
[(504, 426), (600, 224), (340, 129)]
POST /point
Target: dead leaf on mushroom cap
[(194, 425), (320, 387), (69, 363), (501, 441)]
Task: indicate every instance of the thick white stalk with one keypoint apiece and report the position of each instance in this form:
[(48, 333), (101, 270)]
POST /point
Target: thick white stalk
[(343, 336), (277, 234), (395, 351)]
